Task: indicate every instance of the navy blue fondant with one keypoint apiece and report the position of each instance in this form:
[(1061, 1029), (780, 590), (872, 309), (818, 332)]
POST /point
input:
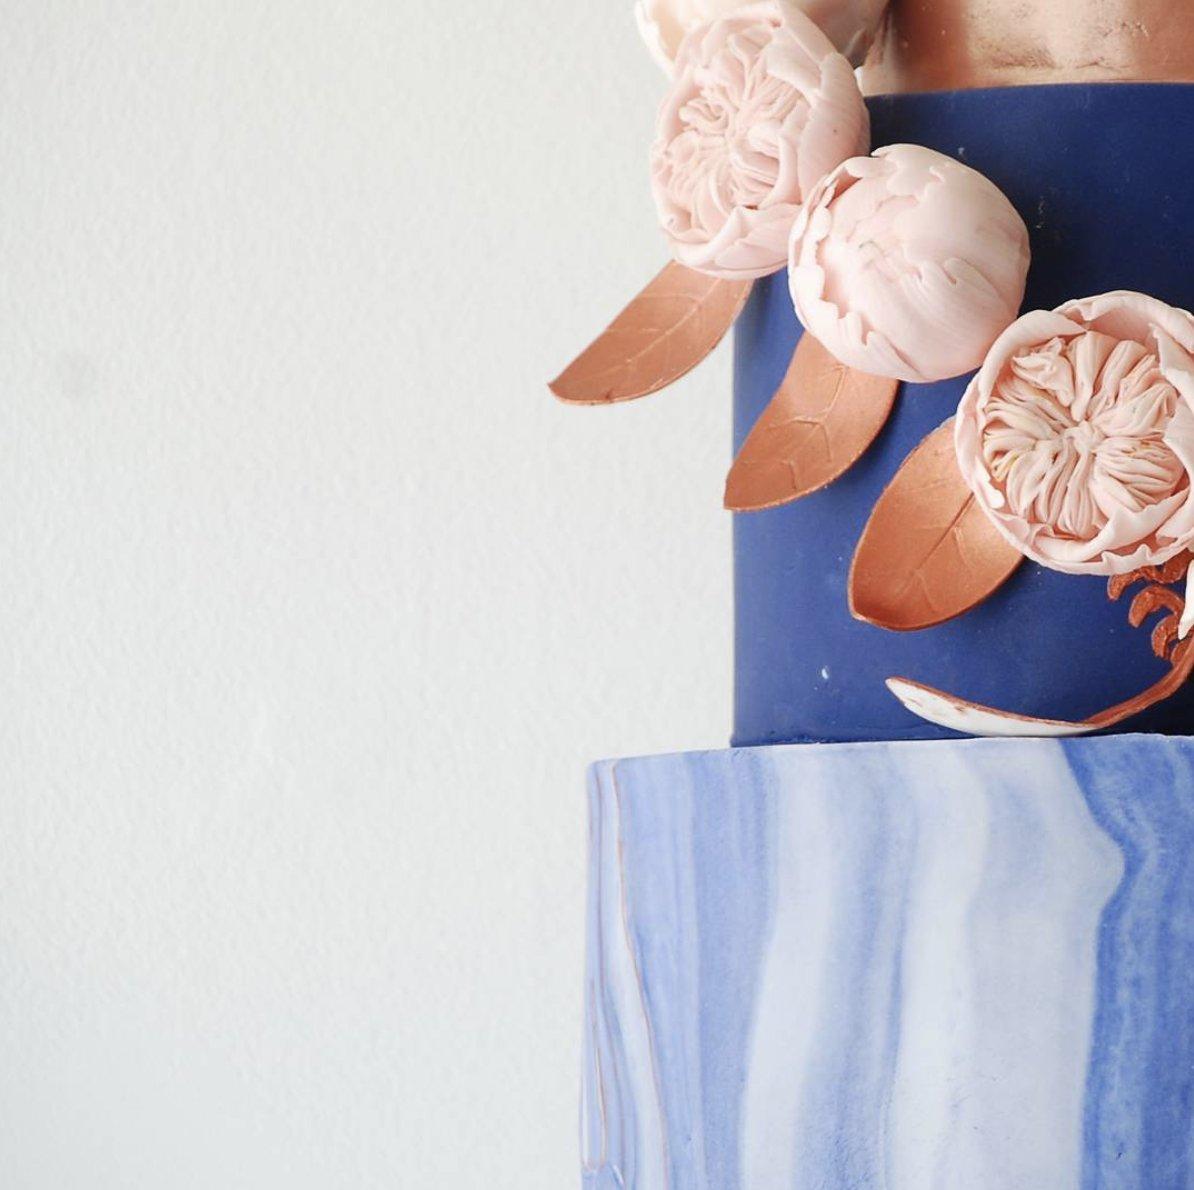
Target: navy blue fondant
[(1102, 176)]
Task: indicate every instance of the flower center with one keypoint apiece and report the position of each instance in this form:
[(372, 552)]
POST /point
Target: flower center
[(1074, 434), (1084, 436)]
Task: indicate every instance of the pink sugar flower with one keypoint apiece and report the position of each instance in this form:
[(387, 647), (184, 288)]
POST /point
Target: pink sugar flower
[(908, 264), (1077, 435), (762, 107)]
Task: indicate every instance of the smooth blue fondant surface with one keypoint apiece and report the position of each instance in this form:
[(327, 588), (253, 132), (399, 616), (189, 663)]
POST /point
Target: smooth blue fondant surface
[(1104, 177), (962, 964)]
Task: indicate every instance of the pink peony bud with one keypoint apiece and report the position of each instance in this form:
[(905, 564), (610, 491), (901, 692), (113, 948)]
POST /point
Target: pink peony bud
[(850, 25), (1077, 435), (761, 108), (908, 264)]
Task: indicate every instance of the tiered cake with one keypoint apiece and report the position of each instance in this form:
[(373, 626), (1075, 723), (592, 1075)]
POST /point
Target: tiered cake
[(858, 949)]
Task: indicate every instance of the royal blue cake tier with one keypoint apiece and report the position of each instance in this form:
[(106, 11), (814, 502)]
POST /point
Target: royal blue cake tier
[(962, 964), (1102, 175)]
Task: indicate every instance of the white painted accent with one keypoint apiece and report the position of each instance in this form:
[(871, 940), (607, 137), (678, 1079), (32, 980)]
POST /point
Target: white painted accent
[(958, 714), (1187, 620)]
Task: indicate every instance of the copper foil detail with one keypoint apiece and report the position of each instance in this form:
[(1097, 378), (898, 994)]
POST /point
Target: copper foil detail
[(822, 418), (665, 332), (1170, 684), (1157, 596), (1153, 598), (928, 553), (946, 45)]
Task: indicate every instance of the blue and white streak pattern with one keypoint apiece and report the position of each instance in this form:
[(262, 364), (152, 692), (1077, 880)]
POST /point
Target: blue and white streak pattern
[(955, 965)]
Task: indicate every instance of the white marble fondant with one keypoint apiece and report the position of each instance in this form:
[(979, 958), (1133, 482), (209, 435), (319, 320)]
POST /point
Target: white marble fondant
[(621, 1121), (953, 964)]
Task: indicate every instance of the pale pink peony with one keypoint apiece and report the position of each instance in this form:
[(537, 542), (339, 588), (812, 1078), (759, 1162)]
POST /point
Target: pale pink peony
[(761, 108), (908, 264), (850, 25), (1077, 435)]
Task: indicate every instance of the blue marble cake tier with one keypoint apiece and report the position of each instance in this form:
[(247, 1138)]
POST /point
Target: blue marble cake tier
[(1102, 175), (965, 965)]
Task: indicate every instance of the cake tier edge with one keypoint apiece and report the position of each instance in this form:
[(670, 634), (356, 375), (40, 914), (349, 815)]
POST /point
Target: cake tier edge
[(948, 963)]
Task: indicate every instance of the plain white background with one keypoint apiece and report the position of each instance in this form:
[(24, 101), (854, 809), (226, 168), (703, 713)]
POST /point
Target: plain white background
[(313, 603)]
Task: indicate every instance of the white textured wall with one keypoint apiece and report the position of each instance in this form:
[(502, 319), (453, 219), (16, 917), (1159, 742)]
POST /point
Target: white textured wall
[(313, 604)]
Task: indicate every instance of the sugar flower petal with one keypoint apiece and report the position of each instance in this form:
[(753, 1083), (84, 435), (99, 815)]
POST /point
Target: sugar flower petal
[(851, 25)]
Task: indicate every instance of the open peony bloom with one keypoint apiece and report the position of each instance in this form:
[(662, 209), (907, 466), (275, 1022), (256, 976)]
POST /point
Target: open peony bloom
[(1077, 435), (908, 264), (761, 109), (849, 24)]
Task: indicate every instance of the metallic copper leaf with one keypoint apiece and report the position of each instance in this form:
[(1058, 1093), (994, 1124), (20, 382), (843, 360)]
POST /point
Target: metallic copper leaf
[(929, 552), (665, 332), (821, 419)]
